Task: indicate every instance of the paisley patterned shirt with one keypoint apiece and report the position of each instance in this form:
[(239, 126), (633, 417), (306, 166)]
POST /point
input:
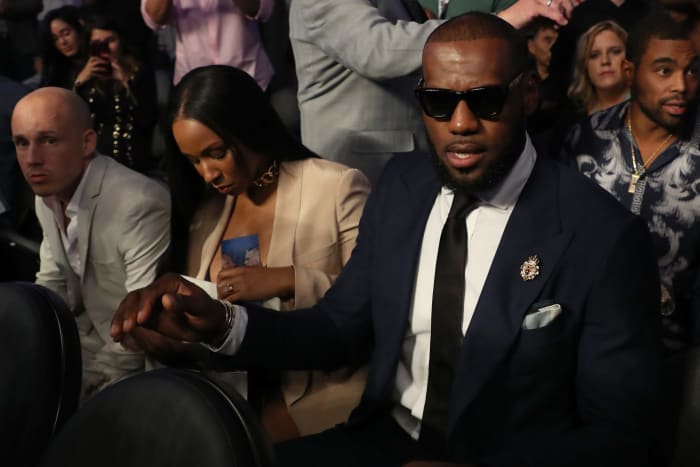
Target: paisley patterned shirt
[(667, 196)]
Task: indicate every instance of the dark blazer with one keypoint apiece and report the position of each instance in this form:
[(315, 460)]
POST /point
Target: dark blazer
[(581, 391)]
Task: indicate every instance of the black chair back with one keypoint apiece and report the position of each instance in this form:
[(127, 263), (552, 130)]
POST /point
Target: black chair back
[(41, 370), (687, 443), (162, 418)]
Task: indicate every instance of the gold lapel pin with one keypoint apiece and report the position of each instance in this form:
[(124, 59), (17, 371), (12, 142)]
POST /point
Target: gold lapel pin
[(530, 268)]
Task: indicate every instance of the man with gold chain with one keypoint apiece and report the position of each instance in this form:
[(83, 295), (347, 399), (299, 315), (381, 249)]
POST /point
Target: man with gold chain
[(646, 153)]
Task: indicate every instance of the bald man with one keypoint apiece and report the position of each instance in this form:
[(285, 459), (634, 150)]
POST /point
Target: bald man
[(105, 227)]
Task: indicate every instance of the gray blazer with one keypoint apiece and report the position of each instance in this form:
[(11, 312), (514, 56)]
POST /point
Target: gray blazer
[(357, 62), (123, 233)]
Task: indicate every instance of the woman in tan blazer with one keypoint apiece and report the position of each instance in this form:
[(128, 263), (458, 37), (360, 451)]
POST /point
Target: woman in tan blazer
[(304, 210)]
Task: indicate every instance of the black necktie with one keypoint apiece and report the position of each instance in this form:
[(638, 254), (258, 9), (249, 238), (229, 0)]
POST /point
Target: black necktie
[(446, 319)]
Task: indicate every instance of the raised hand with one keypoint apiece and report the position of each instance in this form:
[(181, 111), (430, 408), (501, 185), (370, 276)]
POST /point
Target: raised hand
[(96, 67), (522, 12)]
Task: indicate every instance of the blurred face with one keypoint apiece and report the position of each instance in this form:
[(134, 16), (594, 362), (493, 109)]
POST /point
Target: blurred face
[(540, 46), (52, 151), (666, 81), (112, 40), (606, 61), (215, 162), (474, 153), (65, 38)]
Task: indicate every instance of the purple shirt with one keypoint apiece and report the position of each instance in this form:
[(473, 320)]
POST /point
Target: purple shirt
[(211, 32)]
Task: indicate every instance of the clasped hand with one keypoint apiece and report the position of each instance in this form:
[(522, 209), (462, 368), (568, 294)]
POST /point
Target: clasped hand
[(170, 309)]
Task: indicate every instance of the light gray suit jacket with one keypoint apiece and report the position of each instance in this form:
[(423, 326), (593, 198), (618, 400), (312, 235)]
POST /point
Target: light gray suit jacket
[(123, 233), (357, 62)]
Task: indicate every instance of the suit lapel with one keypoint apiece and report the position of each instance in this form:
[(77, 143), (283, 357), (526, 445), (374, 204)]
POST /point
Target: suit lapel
[(53, 236), (213, 233), (88, 202), (410, 206), (534, 228), (287, 208)]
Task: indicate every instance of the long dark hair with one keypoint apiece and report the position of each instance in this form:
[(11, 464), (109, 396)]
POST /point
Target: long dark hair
[(128, 60), (58, 70), (230, 103)]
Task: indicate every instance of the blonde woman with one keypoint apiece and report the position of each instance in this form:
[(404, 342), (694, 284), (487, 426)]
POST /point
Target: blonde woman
[(602, 74)]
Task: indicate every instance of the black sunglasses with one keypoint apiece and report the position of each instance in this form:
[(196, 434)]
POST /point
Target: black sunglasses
[(485, 102)]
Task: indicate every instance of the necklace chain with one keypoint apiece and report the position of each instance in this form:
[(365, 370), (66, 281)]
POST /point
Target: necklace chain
[(645, 165)]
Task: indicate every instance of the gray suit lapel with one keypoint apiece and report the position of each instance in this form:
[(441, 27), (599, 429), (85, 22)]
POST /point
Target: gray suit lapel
[(88, 203), (53, 236)]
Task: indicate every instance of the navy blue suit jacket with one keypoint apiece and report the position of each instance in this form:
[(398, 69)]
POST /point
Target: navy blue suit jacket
[(580, 391)]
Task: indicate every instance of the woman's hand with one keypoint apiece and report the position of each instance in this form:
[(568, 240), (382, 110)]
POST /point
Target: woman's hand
[(248, 283), (96, 67), (118, 73)]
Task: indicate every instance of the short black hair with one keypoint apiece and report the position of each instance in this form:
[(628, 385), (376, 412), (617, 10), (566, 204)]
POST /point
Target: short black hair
[(476, 25), (658, 26), (536, 25)]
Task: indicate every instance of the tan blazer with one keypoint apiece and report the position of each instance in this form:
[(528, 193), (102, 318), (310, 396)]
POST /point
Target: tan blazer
[(317, 212)]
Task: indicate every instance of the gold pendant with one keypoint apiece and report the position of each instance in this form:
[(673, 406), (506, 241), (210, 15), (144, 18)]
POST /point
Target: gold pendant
[(634, 178)]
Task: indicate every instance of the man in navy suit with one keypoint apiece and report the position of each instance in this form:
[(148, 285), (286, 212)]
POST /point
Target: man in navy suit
[(556, 357)]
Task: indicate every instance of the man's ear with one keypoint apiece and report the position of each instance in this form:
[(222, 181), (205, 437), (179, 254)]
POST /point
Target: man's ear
[(89, 142), (531, 91)]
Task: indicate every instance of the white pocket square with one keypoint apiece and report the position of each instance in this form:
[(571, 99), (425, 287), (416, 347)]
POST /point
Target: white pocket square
[(542, 317)]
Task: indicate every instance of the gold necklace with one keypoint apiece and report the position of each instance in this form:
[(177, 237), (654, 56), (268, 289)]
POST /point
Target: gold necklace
[(268, 176), (634, 177)]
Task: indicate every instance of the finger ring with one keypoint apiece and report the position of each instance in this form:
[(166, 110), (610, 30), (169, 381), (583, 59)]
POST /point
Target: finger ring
[(229, 288), (549, 3)]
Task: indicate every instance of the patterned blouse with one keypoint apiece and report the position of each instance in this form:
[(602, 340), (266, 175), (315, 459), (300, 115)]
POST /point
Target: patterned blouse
[(667, 196)]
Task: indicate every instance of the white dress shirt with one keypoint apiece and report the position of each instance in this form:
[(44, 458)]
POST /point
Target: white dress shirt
[(69, 233), (485, 226)]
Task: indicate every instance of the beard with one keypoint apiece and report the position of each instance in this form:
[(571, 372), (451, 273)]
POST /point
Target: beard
[(681, 126), (494, 173)]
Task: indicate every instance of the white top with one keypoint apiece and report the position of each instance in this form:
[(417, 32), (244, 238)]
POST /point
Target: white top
[(69, 233)]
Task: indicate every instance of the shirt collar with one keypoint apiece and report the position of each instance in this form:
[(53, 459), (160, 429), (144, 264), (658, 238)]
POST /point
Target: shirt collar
[(74, 203), (506, 194), (614, 119)]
